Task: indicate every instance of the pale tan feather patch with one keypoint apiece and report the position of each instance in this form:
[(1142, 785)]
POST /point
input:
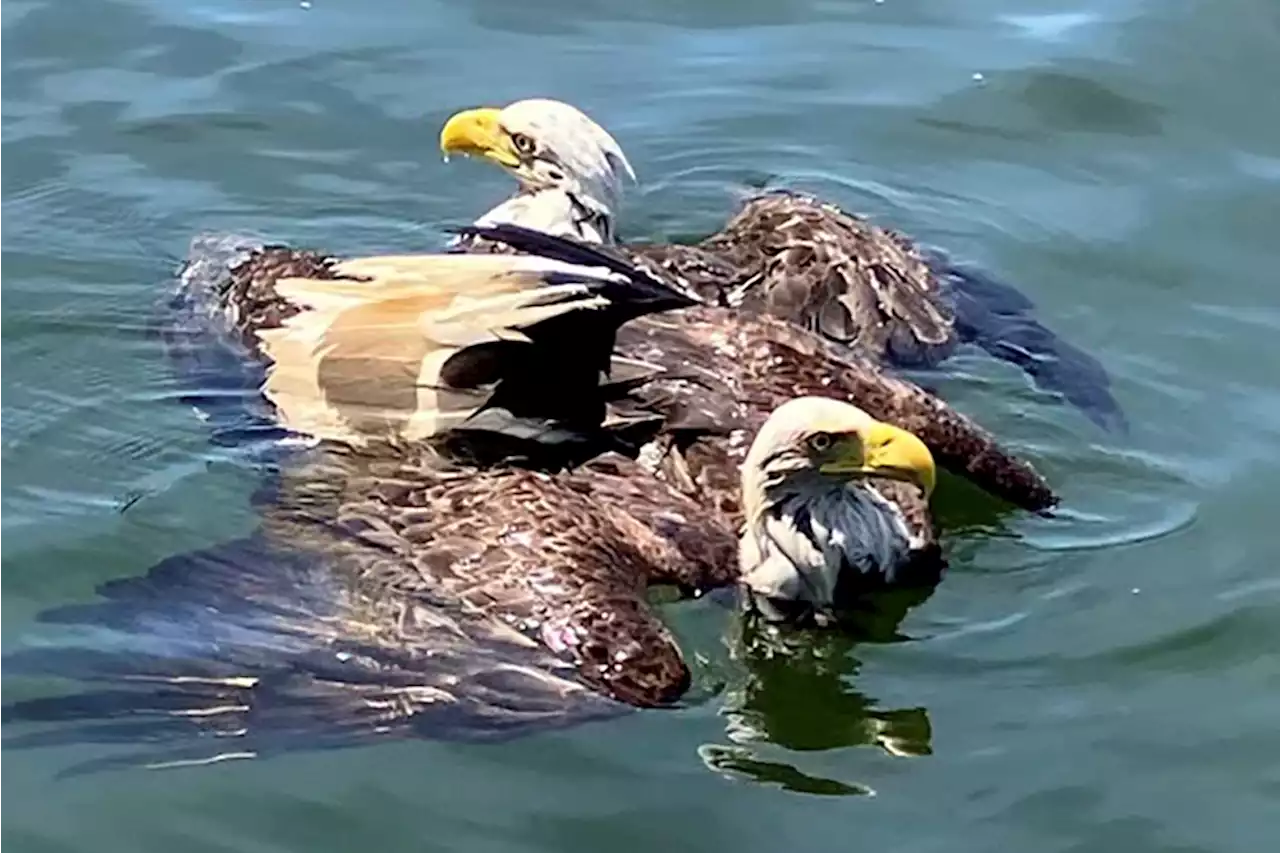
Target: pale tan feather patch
[(364, 359)]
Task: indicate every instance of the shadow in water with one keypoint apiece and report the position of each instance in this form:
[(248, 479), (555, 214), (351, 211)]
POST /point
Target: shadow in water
[(798, 695), (961, 508)]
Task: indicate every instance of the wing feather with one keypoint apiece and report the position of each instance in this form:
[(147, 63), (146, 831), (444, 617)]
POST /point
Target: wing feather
[(794, 257), (366, 360), (738, 368), (383, 597), (855, 283)]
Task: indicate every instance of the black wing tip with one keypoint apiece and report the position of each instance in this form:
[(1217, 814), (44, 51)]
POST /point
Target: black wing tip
[(1046, 502), (1101, 408), (570, 250), (998, 317), (1028, 491), (554, 246)]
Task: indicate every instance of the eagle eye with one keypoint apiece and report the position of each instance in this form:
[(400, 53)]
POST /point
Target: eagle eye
[(820, 442), (523, 143)]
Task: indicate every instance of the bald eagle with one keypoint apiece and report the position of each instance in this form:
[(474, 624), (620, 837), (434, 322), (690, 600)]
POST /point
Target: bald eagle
[(361, 349), (784, 253), (394, 588), (394, 595), (699, 378)]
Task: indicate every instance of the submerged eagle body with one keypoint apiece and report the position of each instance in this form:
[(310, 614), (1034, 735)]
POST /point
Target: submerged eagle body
[(392, 590), (784, 253), (383, 597)]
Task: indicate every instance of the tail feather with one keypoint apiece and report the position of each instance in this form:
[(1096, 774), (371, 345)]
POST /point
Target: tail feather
[(998, 318)]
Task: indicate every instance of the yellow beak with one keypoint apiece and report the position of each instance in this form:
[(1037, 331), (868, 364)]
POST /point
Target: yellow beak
[(883, 450), (479, 133)]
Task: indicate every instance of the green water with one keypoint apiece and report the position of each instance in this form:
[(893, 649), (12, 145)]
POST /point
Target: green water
[(1106, 680)]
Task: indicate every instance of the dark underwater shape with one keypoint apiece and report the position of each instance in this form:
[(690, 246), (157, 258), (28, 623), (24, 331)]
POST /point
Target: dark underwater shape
[(998, 318), (250, 648)]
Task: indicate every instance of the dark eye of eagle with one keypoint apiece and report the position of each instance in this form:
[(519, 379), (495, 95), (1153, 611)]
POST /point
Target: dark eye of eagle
[(524, 144), (820, 442)]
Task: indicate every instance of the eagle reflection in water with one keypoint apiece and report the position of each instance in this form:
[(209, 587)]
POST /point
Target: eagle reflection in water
[(797, 694)]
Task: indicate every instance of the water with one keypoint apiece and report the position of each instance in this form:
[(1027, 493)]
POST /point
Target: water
[(1103, 681)]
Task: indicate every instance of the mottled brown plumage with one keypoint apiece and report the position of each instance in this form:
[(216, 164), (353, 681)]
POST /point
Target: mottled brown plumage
[(737, 368), (745, 365), (784, 253), (792, 256), (719, 373), (389, 595), (562, 559), (390, 592), (249, 293), (441, 346)]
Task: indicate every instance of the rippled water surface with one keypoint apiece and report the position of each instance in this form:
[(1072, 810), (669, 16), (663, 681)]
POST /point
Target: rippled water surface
[(1104, 680)]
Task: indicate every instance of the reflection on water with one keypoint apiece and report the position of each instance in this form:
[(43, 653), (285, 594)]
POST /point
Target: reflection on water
[(798, 694), (1103, 676)]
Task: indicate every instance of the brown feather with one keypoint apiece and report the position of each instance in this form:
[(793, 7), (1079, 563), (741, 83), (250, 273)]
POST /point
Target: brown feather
[(851, 293), (741, 368), (728, 369), (794, 257), (563, 561), (394, 595), (733, 353)]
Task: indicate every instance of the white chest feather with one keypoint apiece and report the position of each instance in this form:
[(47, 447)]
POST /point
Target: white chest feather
[(801, 544)]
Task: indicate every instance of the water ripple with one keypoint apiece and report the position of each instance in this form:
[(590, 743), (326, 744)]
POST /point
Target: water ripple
[(1100, 678)]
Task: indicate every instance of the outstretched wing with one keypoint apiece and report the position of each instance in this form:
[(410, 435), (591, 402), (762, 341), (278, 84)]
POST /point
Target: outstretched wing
[(730, 370), (565, 559), (411, 346), (794, 257), (255, 648), (408, 347), (855, 283), (384, 357), (378, 600)]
